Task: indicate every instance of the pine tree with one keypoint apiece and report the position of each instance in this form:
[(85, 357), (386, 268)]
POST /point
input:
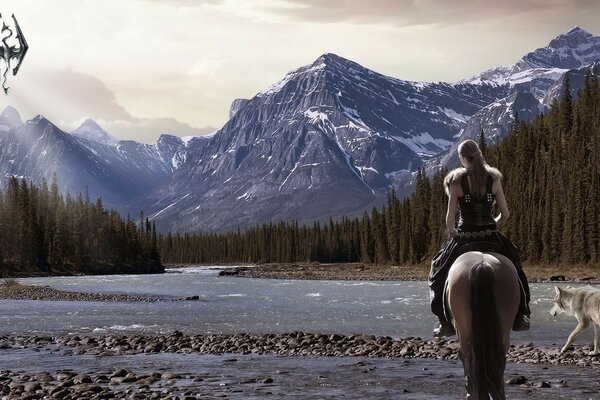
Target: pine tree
[(482, 144)]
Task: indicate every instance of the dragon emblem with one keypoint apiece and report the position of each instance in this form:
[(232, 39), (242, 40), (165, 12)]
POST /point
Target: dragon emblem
[(11, 53)]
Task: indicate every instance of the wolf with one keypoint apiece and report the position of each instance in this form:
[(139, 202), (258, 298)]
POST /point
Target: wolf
[(584, 304)]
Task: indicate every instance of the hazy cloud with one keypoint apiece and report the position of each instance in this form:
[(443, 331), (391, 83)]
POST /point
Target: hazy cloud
[(68, 97), (151, 66), (395, 12)]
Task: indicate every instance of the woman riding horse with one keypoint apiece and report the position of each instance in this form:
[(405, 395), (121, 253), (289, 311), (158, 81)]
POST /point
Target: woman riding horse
[(473, 189)]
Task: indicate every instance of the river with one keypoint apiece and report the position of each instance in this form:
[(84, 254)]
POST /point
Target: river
[(230, 304)]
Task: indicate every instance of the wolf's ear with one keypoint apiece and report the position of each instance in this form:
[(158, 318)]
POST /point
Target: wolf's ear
[(557, 289)]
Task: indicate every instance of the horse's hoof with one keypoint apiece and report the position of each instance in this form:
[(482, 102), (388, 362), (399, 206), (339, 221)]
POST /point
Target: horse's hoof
[(594, 353)]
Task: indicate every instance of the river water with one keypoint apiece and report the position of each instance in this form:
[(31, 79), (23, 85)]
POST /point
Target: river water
[(230, 304)]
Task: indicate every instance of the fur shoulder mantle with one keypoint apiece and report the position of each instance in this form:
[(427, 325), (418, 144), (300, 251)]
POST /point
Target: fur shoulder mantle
[(456, 175)]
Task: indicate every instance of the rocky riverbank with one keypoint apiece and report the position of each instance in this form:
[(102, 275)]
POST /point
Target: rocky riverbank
[(316, 271), (244, 365), (359, 271), (289, 344), (12, 290), (103, 384)]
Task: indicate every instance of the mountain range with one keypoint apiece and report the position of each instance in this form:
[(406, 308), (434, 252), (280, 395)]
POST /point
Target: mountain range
[(329, 139)]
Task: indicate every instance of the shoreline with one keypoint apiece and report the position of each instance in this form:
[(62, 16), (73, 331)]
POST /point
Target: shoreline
[(288, 344), (359, 271), (13, 290)]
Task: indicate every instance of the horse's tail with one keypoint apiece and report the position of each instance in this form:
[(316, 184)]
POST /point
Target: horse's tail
[(487, 358)]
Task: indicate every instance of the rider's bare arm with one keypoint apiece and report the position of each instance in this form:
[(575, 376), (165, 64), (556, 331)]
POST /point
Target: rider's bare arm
[(501, 202), (452, 207)]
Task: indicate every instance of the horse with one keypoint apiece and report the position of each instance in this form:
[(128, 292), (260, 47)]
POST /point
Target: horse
[(483, 295)]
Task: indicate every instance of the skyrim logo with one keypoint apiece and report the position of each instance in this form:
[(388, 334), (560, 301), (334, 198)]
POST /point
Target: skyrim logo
[(12, 50)]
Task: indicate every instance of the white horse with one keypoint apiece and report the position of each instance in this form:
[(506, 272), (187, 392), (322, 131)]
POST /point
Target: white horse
[(483, 294)]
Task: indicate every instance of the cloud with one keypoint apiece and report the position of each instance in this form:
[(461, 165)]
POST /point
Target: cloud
[(68, 97), (204, 67), (411, 12), (391, 12), (150, 128)]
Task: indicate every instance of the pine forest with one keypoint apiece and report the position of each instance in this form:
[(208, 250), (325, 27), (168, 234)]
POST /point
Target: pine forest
[(44, 232)]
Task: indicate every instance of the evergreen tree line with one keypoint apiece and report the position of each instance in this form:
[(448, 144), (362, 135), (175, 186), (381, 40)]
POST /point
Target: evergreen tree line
[(42, 231), (552, 180), (402, 232), (551, 170)]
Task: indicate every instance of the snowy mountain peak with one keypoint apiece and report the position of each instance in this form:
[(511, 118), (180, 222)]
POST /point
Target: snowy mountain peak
[(331, 59), (165, 138), (326, 67), (90, 130), (38, 120), (538, 70), (572, 49), (575, 32), (10, 117)]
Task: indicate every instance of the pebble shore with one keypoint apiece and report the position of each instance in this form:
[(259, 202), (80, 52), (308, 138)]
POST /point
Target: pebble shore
[(122, 383), (366, 272), (28, 292), (290, 344)]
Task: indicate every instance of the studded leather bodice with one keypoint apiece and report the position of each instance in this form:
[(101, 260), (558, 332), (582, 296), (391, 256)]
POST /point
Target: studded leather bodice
[(476, 213)]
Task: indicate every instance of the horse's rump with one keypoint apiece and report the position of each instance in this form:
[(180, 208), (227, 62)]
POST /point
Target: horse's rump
[(483, 296)]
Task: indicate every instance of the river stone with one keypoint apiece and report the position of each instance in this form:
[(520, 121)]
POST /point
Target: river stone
[(60, 394), (119, 373), (518, 380), (32, 386), (82, 378), (63, 376)]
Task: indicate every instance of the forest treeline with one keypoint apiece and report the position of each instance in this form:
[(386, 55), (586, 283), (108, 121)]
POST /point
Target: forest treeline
[(44, 232), (551, 170), (552, 174)]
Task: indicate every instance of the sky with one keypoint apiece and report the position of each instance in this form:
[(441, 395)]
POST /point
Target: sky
[(145, 67)]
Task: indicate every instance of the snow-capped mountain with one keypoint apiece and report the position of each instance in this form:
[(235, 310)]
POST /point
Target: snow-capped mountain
[(571, 50), (331, 137), (37, 149), (9, 119), (89, 159), (90, 130), (538, 70), (327, 140), (540, 74)]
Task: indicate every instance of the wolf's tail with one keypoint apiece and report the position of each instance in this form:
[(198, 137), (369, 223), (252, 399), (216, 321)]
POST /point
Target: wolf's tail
[(487, 359)]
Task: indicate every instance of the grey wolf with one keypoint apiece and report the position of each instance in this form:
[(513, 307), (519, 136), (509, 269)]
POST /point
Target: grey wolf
[(584, 304)]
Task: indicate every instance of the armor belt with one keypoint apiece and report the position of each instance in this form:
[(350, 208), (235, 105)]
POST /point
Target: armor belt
[(476, 234)]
